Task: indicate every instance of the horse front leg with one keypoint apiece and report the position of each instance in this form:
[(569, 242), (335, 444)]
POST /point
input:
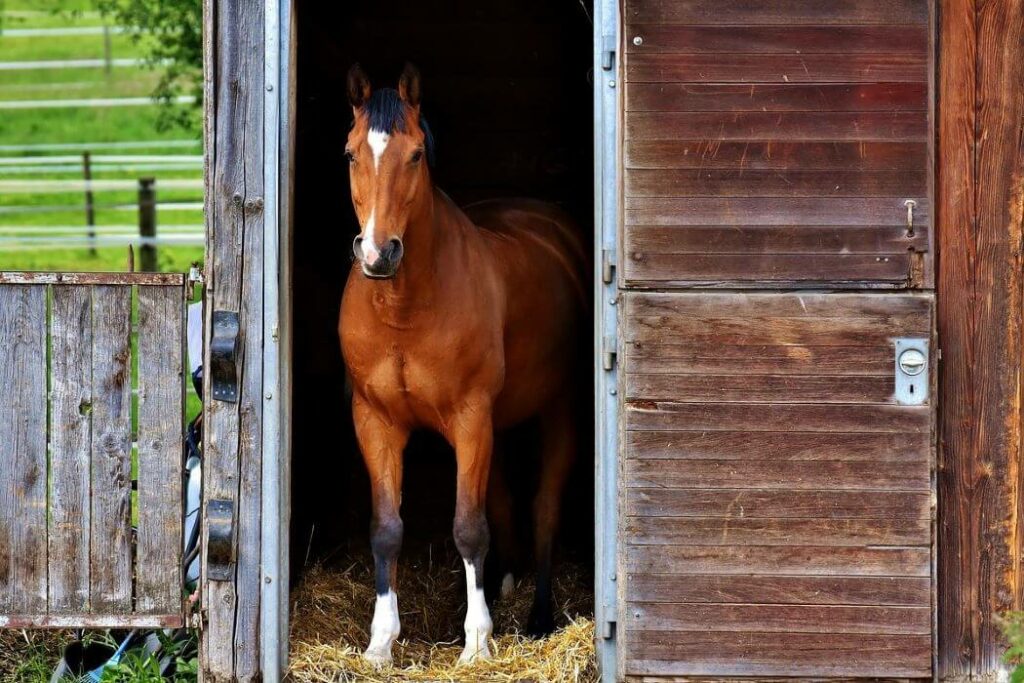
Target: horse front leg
[(473, 439), (382, 444)]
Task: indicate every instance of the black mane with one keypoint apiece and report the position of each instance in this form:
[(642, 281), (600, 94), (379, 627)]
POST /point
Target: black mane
[(386, 112)]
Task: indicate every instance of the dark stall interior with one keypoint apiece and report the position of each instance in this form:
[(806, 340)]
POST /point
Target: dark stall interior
[(507, 93)]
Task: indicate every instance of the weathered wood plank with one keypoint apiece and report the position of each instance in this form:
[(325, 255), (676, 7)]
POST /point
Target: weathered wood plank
[(236, 146), (755, 388), (110, 575), (784, 12), (778, 183), (787, 475), (116, 278), (160, 448), (880, 448), (70, 457), (783, 590), (780, 560), (776, 68), (912, 310), (759, 156), (23, 585), (795, 239), (848, 270), (771, 211), (838, 330), (778, 39), (757, 417), (669, 616), (746, 503), (792, 126), (981, 123), (654, 358), (660, 531), (705, 653)]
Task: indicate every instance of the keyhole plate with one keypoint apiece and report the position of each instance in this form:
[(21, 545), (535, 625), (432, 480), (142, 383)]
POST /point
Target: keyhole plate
[(913, 378)]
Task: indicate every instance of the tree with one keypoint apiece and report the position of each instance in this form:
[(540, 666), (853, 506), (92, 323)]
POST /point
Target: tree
[(171, 32)]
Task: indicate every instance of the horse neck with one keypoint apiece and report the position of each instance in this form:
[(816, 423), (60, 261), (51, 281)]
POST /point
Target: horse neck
[(437, 231)]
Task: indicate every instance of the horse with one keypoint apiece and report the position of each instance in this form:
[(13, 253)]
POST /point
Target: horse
[(460, 321)]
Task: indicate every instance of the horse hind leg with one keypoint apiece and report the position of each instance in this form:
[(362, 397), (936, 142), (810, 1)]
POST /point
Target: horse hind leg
[(503, 558), (558, 451)]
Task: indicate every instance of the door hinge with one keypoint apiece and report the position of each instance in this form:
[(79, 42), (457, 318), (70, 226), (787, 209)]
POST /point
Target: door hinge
[(608, 353), (608, 48), (608, 630), (220, 543), (607, 266), (224, 356)]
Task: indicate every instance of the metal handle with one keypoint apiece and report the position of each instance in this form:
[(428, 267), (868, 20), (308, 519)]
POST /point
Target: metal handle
[(224, 356)]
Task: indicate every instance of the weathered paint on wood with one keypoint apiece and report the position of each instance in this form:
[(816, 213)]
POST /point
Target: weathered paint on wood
[(980, 319), (769, 504), (766, 119), (235, 147), (161, 385), (117, 278), (23, 449), (70, 457), (67, 518), (111, 531)]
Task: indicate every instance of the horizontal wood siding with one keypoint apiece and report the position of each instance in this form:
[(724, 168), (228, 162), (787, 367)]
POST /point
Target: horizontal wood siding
[(776, 504), (755, 134), (68, 551)]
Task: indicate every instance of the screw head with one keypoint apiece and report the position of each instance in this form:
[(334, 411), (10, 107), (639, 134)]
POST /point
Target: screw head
[(638, 40)]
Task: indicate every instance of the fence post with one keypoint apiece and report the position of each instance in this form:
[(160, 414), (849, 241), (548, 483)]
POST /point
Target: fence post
[(90, 208), (147, 224)]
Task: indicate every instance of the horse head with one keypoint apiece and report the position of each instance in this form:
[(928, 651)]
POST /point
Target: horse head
[(387, 150)]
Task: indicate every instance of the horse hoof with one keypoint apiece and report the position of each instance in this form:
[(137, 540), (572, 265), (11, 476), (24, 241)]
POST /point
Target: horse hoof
[(540, 624), (508, 584), (472, 654), (378, 658)]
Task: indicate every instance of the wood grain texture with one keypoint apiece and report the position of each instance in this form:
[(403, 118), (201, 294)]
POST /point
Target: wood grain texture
[(70, 458), (235, 147), (660, 531), (780, 590), (778, 39), (111, 481), (795, 239), (779, 68), (774, 484), (161, 391), (23, 337), (769, 211), (744, 183), (981, 166), (780, 156), (785, 12)]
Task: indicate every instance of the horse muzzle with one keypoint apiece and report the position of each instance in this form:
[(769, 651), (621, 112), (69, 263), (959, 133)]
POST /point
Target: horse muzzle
[(379, 264)]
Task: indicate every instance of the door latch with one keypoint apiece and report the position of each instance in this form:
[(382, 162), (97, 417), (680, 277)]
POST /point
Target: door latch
[(220, 542), (224, 356), (912, 376)]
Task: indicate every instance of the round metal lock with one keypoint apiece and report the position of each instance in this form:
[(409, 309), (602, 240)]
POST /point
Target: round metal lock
[(912, 362)]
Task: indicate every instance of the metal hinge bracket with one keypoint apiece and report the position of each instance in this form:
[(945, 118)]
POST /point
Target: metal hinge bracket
[(607, 266), (224, 356), (608, 353), (220, 541), (608, 49)]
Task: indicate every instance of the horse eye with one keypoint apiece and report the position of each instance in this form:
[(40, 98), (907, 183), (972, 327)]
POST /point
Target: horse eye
[(416, 156), (350, 156)]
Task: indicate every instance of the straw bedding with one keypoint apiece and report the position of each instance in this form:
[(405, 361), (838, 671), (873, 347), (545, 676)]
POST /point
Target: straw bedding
[(332, 609)]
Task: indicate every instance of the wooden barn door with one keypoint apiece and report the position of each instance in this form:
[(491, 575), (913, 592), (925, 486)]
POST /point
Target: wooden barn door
[(776, 449), (91, 446)]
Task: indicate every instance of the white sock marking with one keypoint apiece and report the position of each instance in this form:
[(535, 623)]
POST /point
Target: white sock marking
[(478, 619), (384, 629)]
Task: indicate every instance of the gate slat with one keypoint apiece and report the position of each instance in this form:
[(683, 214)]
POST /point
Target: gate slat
[(23, 449), (161, 405), (71, 409), (111, 551)]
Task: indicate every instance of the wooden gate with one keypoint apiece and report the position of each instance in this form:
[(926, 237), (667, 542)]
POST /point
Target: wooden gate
[(776, 472), (91, 507)]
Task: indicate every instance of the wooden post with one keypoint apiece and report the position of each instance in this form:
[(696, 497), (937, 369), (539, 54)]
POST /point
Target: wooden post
[(90, 209), (980, 190), (147, 224)]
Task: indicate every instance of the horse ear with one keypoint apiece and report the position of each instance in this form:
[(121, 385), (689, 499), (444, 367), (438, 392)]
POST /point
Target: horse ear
[(358, 86), (409, 85)]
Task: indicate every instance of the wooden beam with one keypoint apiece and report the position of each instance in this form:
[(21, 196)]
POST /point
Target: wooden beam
[(981, 168)]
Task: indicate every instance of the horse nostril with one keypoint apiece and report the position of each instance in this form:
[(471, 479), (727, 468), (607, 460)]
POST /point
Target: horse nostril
[(394, 249), (357, 247)]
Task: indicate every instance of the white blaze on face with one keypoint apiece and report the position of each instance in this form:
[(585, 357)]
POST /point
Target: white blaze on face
[(478, 619), (384, 629), (378, 141)]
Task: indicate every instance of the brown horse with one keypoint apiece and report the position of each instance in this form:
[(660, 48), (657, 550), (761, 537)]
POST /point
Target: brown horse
[(458, 322)]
